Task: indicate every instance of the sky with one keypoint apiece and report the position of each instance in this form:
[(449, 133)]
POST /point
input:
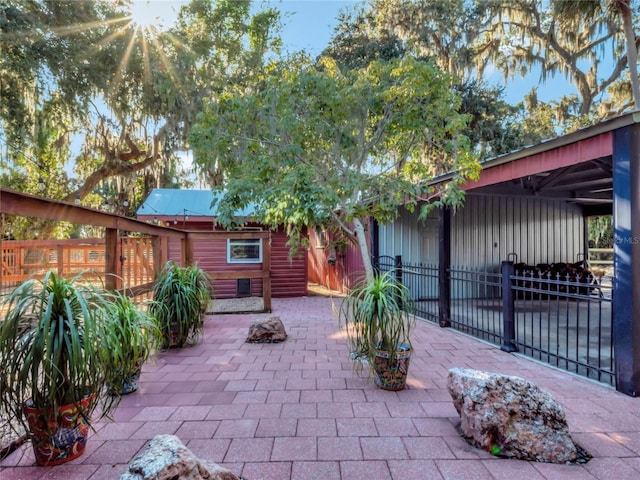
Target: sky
[(309, 25)]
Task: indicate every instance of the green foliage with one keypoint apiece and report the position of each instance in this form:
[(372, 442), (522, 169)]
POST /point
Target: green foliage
[(133, 335), (558, 38), (320, 145), (377, 315), (601, 231), (181, 296), (359, 39), (51, 347), (83, 70), (583, 41), (444, 31)]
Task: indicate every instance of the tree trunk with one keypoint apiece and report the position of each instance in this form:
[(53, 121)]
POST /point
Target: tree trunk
[(364, 249), (624, 7)]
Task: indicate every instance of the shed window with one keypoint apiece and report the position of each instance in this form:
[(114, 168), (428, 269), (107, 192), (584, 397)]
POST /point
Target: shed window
[(244, 251)]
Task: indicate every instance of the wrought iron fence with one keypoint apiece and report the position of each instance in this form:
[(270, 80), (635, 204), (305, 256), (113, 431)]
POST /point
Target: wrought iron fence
[(384, 263), (420, 279), (476, 303), (564, 321)]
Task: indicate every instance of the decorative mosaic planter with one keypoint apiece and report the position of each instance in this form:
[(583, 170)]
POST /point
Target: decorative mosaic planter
[(391, 373), (53, 446)]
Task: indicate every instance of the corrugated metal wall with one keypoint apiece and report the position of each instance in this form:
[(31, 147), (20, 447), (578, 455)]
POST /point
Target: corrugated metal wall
[(416, 241), (487, 229)]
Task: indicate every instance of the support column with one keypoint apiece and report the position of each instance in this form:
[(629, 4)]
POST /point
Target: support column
[(375, 244), (585, 236), (508, 310), (444, 267), (266, 277), (187, 251), (159, 253), (111, 274), (626, 258)]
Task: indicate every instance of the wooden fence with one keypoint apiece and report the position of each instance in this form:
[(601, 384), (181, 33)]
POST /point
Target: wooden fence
[(24, 259)]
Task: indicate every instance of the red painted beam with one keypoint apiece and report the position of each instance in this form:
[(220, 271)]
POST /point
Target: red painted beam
[(582, 151)]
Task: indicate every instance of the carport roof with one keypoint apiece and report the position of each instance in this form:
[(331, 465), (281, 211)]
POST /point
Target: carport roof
[(575, 168), (174, 202)]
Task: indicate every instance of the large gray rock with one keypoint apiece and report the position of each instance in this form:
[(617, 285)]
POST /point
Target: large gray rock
[(166, 458), (270, 330), (510, 417)]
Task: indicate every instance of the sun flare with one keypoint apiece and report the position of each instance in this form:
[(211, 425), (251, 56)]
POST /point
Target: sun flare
[(146, 15)]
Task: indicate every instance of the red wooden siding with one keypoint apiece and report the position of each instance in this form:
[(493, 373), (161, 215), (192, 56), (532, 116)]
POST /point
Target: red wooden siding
[(341, 276), (288, 275)]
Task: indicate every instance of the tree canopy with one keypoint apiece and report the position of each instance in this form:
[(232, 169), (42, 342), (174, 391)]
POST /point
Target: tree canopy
[(316, 145), (590, 44), (97, 108), (83, 74)]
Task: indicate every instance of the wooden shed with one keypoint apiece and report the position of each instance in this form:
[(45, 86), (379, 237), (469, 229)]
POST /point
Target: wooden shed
[(195, 211)]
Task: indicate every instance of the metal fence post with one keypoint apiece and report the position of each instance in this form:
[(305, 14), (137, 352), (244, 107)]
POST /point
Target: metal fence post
[(508, 309), (444, 267), (375, 262), (398, 268), (398, 273)]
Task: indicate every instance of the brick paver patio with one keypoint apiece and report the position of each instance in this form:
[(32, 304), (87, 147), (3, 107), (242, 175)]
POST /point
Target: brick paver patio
[(296, 410)]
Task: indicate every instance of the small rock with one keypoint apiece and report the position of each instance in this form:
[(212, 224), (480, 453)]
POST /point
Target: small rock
[(166, 458), (510, 417), (270, 330)]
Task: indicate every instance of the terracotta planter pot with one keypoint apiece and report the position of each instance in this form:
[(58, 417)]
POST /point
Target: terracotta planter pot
[(391, 372), (53, 446)]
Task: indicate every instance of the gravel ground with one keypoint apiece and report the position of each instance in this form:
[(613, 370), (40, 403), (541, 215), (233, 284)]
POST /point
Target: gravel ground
[(236, 305)]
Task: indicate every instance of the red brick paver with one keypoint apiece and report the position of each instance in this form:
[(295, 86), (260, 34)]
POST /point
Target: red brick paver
[(297, 410)]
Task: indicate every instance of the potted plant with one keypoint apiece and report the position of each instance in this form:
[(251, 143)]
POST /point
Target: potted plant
[(54, 371), (134, 335), (181, 296), (378, 318)]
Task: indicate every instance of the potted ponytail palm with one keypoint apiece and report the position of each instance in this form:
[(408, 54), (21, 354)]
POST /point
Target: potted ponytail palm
[(181, 296), (54, 368), (134, 335), (378, 320)]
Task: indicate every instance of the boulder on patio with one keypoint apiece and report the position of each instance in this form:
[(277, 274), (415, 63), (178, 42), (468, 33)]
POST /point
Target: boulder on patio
[(270, 330), (167, 458), (511, 417)]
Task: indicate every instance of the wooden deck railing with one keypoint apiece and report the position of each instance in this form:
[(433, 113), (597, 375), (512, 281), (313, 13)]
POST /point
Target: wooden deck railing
[(20, 260)]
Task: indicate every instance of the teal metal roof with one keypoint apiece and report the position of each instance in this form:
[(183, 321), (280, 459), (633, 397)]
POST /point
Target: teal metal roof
[(174, 202)]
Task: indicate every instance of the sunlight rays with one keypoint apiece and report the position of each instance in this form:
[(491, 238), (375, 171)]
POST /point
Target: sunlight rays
[(85, 27), (128, 48), (123, 65), (145, 16), (143, 26)]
